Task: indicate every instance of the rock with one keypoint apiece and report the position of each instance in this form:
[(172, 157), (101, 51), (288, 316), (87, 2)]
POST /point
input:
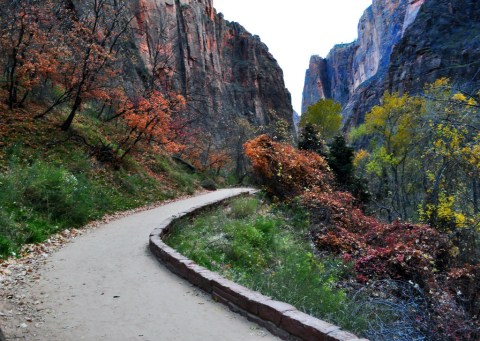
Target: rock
[(296, 121), (401, 45), (226, 73), (209, 184)]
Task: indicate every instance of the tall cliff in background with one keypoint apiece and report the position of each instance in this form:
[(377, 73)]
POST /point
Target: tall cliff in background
[(224, 72), (401, 45)]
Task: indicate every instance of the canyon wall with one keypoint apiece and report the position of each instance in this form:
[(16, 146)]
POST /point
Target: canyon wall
[(401, 45), (225, 72)]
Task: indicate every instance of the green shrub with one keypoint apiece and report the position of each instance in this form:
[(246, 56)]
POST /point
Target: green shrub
[(182, 177), (244, 207), (39, 199), (57, 193), (7, 233)]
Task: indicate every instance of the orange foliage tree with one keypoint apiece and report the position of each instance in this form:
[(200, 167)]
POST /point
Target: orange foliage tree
[(88, 44), (201, 150), (26, 46), (285, 171), (149, 118)]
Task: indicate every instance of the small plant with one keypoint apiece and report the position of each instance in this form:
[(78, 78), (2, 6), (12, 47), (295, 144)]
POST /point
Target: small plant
[(244, 207)]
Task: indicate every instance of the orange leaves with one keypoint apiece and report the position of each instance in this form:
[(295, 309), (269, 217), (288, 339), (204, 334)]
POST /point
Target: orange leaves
[(286, 171), (24, 46), (149, 118)]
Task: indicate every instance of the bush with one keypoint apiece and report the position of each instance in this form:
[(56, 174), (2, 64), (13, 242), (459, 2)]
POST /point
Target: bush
[(40, 199), (284, 171), (56, 193), (244, 207)]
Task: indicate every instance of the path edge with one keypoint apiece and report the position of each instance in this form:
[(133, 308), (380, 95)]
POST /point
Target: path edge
[(281, 319)]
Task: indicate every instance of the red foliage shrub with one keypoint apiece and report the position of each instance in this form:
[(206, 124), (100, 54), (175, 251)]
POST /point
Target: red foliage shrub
[(285, 171), (465, 284), (402, 251)]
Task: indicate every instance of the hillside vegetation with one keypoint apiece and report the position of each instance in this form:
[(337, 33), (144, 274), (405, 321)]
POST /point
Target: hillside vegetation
[(52, 180), (80, 134), (404, 209)]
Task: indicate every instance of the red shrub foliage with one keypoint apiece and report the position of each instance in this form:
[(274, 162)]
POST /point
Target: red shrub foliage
[(285, 171), (399, 250)]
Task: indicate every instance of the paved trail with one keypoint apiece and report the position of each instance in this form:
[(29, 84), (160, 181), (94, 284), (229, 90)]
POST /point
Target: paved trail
[(107, 286)]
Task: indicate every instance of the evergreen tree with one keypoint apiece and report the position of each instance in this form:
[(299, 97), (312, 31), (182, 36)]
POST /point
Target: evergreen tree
[(340, 159), (309, 140)]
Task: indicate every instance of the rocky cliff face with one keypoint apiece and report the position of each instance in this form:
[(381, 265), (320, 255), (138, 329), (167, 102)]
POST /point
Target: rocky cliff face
[(225, 72), (443, 41), (401, 45)]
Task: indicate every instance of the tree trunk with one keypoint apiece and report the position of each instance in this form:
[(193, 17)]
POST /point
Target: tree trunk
[(475, 195), (68, 122), (24, 98), (12, 97)]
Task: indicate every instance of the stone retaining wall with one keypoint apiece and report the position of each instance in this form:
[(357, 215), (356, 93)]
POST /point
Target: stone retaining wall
[(279, 318)]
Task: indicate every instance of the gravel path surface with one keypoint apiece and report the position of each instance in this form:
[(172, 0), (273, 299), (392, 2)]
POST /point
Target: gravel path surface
[(107, 286)]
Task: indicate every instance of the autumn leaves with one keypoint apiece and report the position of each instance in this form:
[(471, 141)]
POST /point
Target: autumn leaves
[(75, 56)]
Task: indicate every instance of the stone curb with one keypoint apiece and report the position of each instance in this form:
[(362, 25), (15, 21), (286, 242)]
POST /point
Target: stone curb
[(281, 319)]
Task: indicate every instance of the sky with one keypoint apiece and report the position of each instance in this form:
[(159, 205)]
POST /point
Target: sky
[(294, 30)]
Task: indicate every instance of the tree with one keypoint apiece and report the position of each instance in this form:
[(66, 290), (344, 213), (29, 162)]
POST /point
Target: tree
[(423, 157), (26, 46), (392, 129), (340, 159), (89, 39), (325, 117), (148, 119), (452, 132), (310, 140)]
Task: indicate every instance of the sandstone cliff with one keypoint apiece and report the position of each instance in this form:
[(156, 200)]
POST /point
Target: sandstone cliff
[(225, 72), (401, 45)]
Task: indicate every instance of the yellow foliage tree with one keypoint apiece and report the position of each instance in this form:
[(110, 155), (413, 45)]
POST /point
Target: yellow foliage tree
[(325, 116)]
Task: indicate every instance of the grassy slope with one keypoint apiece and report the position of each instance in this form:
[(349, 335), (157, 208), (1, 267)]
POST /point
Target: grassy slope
[(50, 181), (267, 249)]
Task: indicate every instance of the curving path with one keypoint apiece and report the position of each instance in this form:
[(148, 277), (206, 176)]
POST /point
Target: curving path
[(107, 286)]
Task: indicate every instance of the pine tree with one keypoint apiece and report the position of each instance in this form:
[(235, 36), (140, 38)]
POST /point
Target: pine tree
[(309, 140), (340, 159)]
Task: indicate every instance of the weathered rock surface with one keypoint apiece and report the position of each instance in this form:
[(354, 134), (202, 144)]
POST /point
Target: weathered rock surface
[(225, 72), (296, 120), (401, 45)]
